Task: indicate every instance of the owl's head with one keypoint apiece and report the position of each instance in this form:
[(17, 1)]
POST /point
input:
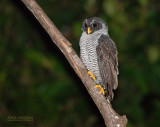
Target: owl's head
[(94, 25)]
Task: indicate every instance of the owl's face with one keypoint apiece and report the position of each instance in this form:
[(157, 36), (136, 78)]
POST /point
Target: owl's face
[(94, 24)]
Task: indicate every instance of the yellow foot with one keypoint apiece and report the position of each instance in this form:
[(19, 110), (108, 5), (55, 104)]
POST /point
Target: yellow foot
[(101, 89), (91, 75)]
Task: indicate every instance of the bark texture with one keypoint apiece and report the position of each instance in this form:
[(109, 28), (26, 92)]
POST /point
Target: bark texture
[(111, 118)]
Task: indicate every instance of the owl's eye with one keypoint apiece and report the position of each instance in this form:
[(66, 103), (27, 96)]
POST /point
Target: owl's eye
[(85, 25), (94, 25)]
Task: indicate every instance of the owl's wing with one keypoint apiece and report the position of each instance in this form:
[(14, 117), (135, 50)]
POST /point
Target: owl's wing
[(108, 64)]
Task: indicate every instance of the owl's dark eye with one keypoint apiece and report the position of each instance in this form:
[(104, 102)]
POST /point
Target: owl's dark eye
[(94, 25), (85, 25)]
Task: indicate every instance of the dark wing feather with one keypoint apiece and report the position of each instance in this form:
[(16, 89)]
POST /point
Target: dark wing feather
[(108, 64)]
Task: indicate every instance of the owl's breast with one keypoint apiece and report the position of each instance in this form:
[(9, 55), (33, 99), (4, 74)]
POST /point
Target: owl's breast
[(88, 50), (88, 53)]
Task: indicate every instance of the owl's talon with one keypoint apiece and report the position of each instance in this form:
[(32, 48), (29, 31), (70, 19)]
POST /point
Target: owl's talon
[(101, 89), (91, 75)]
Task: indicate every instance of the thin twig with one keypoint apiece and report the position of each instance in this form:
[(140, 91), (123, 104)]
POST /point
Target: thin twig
[(111, 118)]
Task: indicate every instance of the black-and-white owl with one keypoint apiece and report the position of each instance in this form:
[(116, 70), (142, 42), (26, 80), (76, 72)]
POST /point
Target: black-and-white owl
[(99, 54)]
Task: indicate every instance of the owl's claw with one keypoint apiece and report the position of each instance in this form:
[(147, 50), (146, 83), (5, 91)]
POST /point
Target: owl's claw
[(91, 75), (101, 89)]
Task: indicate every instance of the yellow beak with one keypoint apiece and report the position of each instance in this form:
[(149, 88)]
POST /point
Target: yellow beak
[(89, 30)]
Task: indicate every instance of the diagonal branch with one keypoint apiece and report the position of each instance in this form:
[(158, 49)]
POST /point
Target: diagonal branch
[(111, 118)]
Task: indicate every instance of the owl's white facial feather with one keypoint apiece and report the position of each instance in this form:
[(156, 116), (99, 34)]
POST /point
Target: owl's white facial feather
[(97, 33)]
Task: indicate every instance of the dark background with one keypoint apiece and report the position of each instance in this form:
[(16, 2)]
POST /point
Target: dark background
[(36, 79)]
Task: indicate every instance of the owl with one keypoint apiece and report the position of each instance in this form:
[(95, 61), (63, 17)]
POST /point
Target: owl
[(99, 55)]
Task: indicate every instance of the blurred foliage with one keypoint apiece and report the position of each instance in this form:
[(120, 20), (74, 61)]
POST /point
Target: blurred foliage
[(36, 79)]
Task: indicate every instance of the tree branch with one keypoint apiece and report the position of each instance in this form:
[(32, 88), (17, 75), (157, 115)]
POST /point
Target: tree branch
[(111, 118)]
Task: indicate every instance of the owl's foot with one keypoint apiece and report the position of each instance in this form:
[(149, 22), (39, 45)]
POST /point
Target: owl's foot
[(91, 75), (101, 89)]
